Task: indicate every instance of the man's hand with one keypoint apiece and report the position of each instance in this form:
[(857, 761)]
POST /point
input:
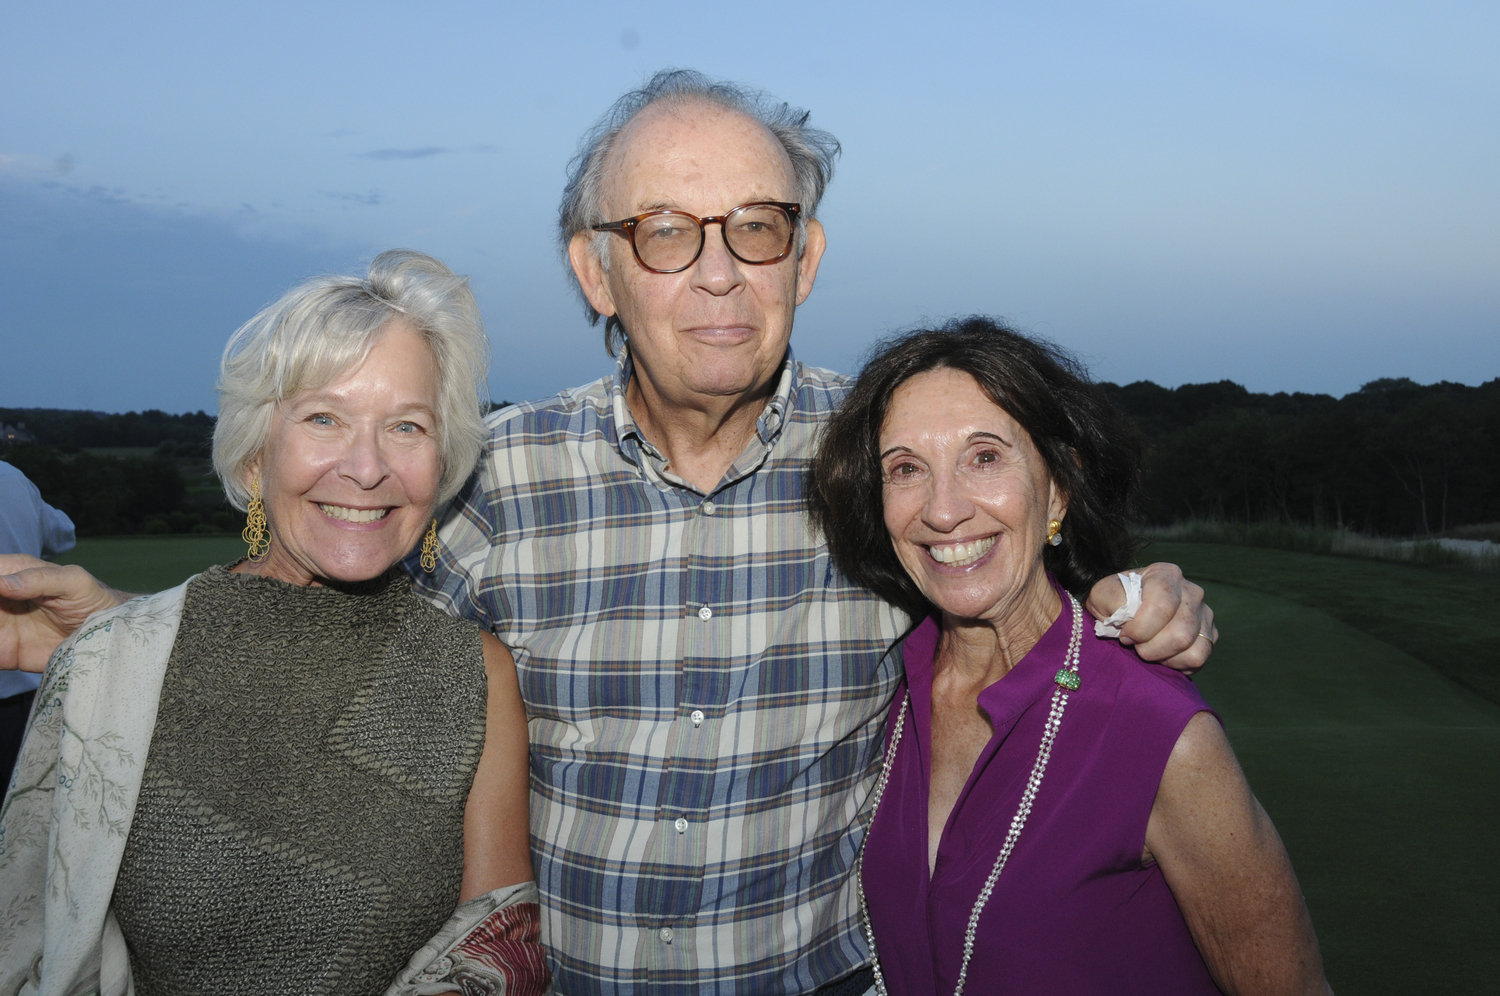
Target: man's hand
[(41, 604), (1173, 627)]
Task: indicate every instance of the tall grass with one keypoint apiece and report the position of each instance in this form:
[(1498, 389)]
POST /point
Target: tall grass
[(1314, 539)]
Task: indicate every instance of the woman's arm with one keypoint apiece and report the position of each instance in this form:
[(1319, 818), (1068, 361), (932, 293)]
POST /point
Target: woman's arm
[(1229, 872), (492, 943), (497, 829)]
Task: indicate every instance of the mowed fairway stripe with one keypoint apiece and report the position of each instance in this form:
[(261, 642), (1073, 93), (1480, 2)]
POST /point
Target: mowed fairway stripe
[(1384, 780)]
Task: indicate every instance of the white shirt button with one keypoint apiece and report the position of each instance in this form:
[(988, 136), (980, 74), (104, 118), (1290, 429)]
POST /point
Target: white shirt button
[(705, 613), (697, 717), (666, 934), (708, 508), (681, 825)]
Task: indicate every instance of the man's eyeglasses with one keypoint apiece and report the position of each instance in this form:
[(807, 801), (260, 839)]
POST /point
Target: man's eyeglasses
[(672, 241)]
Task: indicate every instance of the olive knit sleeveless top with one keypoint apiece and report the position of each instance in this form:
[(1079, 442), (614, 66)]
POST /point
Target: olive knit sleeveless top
[(300, 822)]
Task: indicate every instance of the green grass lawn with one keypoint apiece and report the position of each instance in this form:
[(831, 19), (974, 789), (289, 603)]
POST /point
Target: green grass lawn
[(1361, 698), (1446, 617), (151, 563), (1381, 771)]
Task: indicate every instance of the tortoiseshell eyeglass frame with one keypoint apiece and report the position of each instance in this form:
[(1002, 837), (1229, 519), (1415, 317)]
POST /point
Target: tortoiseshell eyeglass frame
[(627, 227)]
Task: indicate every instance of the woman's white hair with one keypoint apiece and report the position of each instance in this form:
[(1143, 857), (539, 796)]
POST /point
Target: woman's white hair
[(324, 329)]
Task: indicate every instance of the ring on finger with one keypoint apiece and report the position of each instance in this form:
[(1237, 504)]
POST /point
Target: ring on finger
[(1211, 640)]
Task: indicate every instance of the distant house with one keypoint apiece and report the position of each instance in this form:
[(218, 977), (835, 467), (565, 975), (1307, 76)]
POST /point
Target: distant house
[(15, 434)]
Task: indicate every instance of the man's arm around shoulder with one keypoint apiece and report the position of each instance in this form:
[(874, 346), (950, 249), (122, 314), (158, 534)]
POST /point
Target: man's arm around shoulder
[(41, 604), (1173, 626)]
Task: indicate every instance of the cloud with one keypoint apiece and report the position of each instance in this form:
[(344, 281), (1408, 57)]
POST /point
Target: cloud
[(22, 164), (385, 155), (96, 193), (369, 200)]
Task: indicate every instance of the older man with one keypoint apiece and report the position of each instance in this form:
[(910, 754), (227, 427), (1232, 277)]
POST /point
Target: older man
[(706, 692)]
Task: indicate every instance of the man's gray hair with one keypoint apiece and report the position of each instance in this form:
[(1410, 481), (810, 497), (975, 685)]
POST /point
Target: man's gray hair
[(324, 329), (812, 152)]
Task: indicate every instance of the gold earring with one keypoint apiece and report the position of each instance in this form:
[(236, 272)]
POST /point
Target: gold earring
[(1054, 532), (429, 548), (255, 525)]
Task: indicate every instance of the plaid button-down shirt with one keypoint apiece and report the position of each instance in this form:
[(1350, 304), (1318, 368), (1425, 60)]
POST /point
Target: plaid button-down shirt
[(707, 693)]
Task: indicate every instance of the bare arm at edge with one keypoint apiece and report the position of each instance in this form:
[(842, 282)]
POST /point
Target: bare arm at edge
[(497, 827), (1230, 873)]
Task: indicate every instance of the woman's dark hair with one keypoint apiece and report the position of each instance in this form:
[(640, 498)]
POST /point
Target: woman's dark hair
[(1092, 453)]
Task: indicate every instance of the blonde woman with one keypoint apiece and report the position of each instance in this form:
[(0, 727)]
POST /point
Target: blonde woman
[(291, 774)]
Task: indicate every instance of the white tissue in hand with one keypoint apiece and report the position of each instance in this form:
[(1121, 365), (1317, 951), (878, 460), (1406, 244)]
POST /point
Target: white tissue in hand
[(1111, 627)]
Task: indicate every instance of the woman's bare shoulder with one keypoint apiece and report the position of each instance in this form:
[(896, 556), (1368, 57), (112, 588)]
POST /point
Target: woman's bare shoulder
[(498, 659)]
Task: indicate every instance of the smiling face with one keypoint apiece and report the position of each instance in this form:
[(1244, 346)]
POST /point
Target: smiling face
[(350, 471), (719, 328), (966, 496)]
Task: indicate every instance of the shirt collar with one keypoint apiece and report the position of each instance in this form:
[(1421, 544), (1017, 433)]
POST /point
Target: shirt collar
[(628, 438), (637, 449)]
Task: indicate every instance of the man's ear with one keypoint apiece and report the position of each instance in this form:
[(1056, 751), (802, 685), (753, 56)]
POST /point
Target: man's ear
[(589, 269), (812, 255)]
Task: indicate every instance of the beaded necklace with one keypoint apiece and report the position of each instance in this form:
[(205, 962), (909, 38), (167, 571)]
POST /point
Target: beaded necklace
[(1066, 681)]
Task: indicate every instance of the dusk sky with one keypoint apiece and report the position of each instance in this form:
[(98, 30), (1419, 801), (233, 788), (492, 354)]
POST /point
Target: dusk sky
[(1295, 196)]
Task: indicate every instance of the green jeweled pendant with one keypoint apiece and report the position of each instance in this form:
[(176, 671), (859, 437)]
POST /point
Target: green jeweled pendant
[(1068, 679)]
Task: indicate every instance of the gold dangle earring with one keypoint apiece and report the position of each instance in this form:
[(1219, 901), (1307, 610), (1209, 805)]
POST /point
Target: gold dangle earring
[(255, 525), (429, 548), (1054, 532)]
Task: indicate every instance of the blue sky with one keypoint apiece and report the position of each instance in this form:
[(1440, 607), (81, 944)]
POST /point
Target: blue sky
[(1295, 196)]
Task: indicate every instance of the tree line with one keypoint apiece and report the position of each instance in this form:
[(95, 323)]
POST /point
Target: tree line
[(165, 486), (1394, 458), (70, 431)]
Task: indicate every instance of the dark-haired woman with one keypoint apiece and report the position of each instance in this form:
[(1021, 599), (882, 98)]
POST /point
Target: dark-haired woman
[(1053, 816)]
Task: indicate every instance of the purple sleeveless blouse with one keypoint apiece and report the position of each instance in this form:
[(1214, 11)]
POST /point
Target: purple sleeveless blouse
[(1074, 911)]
